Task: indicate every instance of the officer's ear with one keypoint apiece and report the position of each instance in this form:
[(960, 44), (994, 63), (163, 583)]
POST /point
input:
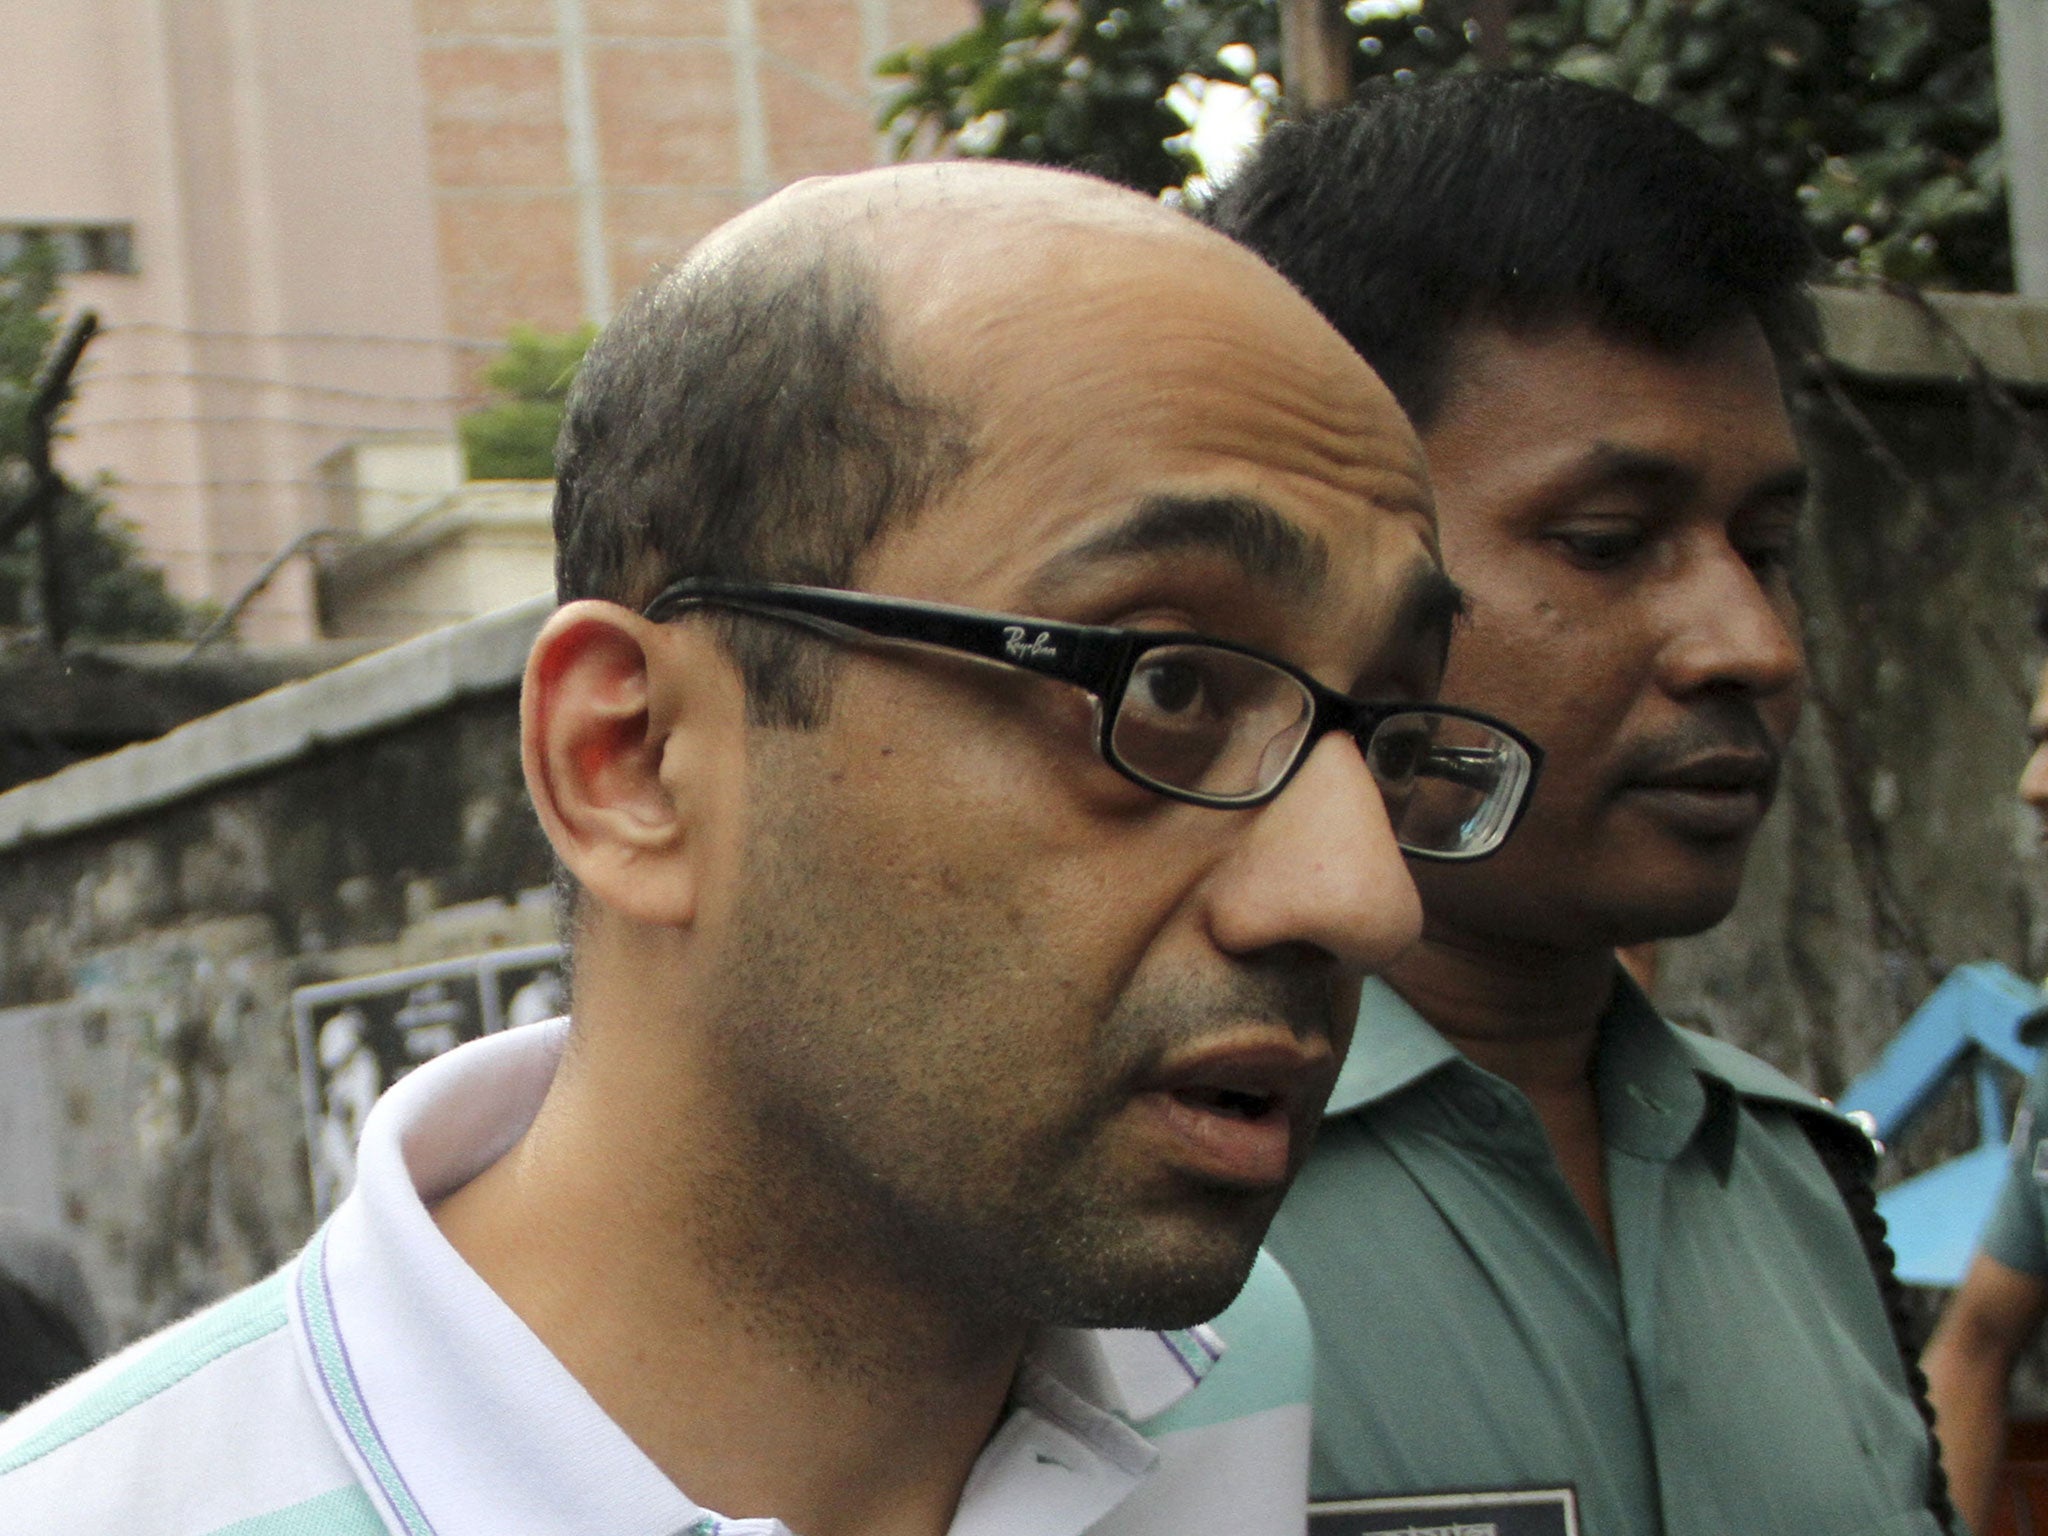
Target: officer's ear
[(630, 733)]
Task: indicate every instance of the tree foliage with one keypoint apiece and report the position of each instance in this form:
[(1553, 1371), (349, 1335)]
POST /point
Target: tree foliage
[(1879, 116), (110, 593), (1071, 82), (513, 438)]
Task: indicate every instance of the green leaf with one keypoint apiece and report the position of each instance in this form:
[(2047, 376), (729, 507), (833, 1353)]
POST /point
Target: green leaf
[(514, 437), (112, 591)]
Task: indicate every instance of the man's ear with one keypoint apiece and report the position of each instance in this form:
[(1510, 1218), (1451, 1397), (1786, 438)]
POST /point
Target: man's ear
[(626, 729)]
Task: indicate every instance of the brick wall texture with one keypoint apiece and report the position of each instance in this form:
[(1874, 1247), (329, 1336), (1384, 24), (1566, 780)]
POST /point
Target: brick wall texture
[(567, 133)]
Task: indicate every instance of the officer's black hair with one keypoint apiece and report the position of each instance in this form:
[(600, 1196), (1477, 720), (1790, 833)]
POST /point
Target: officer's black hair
[(1526, 201)]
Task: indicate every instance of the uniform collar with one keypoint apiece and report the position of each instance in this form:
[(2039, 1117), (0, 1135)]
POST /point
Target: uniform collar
[(462, 1423), (1660, 1086), (1392, 1047)]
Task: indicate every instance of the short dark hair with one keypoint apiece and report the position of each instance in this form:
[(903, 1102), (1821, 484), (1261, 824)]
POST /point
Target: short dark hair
[(1520, 200), (742, 418)]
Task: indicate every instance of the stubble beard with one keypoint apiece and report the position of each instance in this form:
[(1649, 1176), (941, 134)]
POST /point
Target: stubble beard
[(883, 1191), (889, 1156)]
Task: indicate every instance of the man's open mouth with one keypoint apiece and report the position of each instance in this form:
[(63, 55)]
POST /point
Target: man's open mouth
[(1236, 1103), (1226, 1110)]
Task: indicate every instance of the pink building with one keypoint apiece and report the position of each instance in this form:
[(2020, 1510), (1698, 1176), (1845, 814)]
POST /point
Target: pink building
[(303, 222)]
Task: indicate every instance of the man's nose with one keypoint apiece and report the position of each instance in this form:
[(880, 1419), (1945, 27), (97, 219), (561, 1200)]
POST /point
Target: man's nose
[(1731, 631), (1319, 866)]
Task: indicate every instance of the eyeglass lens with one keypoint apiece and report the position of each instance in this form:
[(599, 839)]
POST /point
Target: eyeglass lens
[(1451, 785), (1211, 722), (1217, 723)]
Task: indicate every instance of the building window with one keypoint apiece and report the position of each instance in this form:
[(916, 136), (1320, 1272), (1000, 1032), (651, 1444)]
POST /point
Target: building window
[(79, 247)]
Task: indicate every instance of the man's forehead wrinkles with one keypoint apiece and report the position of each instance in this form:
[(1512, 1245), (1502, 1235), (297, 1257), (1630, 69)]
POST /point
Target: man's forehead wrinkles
[(1269, 548)]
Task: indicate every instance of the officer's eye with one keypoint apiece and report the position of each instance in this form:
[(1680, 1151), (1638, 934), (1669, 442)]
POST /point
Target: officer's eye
[(1601, 547)]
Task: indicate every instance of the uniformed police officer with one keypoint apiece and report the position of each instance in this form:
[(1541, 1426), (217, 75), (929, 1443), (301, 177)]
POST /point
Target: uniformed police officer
[(1566, 1262)]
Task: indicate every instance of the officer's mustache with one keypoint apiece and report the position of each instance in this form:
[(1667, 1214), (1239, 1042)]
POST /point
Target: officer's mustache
[(1722, 744)]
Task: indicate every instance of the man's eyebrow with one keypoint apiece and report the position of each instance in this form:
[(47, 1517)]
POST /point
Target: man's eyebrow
[(1791, 484), (1248, 533), (1427, 612), (1610, 464)]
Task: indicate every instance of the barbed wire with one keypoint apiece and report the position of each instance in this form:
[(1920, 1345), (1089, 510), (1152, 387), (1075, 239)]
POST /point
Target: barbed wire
[(253, 482), (300, 482), (166, 554), (259, 381), (364, 338), (174, 420)]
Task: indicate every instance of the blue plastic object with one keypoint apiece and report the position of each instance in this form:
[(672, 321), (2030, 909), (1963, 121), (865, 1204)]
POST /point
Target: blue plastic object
[(1968, 1023)]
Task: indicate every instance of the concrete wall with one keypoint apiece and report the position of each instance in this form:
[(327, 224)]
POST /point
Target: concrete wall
[(158, 906), (479, 548), (580, 144), (1898, 849)]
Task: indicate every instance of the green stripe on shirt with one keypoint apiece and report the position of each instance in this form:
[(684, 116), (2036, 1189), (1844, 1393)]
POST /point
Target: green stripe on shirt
[(1267, 1357), (241, 1319), (344, 1512), (324, 1335)]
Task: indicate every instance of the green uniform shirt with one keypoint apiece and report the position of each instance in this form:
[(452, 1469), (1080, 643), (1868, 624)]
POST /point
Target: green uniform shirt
[(1736, 1377), (2015, 1235)]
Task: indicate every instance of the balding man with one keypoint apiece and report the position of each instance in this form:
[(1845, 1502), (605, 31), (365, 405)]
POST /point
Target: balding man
[(981, 734)]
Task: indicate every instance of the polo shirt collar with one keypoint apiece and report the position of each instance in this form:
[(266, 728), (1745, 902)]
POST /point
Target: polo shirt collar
[(461, 1422)]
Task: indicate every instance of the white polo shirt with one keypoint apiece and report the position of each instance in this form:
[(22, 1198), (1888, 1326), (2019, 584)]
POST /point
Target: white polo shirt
[(377, 1385)]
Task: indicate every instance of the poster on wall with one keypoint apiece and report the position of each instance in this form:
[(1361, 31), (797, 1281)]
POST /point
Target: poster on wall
[(359, 1036)]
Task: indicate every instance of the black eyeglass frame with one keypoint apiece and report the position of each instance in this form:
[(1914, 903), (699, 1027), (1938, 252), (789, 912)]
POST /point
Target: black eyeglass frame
[(1098, 659)]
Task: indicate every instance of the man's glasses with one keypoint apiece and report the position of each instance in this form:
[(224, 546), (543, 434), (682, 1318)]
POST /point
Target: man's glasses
[(1195, 719)]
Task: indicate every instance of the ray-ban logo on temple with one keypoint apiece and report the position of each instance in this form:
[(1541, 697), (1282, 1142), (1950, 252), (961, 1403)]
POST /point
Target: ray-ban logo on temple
[(1020, 649)]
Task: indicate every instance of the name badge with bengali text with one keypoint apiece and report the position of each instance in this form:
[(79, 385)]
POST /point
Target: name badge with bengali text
[(1481, 1512)]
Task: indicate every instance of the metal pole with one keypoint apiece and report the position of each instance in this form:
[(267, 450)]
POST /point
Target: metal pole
[(2020, 40), (1315, 53), (1491, 17), (224, 621), (45, 496)]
